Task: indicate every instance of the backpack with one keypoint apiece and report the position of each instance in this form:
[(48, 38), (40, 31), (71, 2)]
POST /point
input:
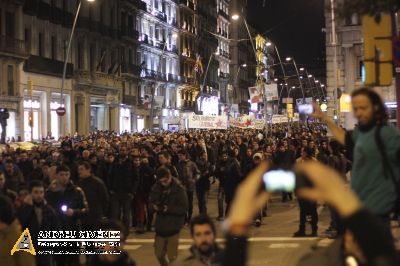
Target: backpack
[(387, 168)]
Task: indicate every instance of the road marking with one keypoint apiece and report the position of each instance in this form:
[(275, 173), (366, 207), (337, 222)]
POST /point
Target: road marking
[(220, 240), (132, 247), (285, 245), (184, 247)]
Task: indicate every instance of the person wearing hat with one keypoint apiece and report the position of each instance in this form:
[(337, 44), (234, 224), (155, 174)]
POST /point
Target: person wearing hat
[(168, 199)]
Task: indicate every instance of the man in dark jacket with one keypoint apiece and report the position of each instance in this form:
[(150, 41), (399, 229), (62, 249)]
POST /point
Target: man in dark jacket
[(70, 204), (169, 200), (121, 189), (25, 165), (37, 215), (203, 184), (96, 195), (188, 175), (12, 195), (144, 188)]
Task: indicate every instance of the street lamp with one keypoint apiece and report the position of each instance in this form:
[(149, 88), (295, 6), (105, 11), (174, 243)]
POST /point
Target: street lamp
[(66, 58), (268, 44), (235, 16), (289, 59)]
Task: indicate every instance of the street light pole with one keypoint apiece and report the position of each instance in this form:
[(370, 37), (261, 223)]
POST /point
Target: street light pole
[(66, 60), (298, 75), (335, 76)]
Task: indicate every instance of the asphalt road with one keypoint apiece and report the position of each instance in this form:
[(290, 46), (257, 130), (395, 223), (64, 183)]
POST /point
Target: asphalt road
[(270, 244)]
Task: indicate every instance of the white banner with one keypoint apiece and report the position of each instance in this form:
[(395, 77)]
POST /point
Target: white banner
[(208, 122), (277, 119), (271, 92), (247, 122)]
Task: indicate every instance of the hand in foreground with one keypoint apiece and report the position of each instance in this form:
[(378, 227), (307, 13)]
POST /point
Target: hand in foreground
[(247, 202), (318, 114), (328, 186)]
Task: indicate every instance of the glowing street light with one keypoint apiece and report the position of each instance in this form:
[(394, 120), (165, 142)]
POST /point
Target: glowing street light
[(268, 44), (235, 16)]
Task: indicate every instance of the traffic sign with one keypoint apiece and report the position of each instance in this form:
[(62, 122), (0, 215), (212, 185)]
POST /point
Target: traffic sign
[(60, 111)]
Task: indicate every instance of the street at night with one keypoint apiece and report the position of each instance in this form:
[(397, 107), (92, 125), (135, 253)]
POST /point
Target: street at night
[(199, 132)]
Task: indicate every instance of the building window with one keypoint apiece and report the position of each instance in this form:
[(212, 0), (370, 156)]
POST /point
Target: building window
[(54, 47), (10, 80), (40, 44), (27, 36), (10, 24)]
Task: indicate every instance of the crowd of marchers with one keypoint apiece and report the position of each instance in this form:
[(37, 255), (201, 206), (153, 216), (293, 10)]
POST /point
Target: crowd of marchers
[(148, 182)]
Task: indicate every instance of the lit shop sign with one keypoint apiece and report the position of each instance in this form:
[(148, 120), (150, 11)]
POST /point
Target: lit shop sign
[(30, 104), (324, 107)]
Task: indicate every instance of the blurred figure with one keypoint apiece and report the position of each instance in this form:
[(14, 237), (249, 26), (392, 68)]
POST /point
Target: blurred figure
[(10, 231), (204, 250), (307, 208), (4, 191)]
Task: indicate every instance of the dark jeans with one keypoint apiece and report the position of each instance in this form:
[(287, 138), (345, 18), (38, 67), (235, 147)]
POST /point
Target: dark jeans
[(308, 208), (3, 134), (229, 194), (121, 202), (221, 196), (190, 205), (201, 200)]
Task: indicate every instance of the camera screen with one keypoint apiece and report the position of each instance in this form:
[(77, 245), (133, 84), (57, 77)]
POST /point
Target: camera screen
[(306, 109), (279, 180)]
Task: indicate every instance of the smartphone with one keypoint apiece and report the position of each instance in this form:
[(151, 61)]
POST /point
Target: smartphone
[(306, 109), (279, 180)]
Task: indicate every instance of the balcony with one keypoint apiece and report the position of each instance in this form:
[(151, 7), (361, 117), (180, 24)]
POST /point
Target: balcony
[(31, 7), (46, 66), (43, 10), (174, 78), (152, 74), (223, 14), (67, 20), (98, 79), (188, 4), (56, 15), (130, 69), (130, 33), (139, 4), (12, 47)]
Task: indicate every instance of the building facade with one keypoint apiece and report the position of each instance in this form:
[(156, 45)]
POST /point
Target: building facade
[(350, 73)]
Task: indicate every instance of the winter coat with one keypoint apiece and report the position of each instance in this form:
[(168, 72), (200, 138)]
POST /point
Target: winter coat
[(169, 223)]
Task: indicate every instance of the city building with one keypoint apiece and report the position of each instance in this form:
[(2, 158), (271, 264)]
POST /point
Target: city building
[(350, 65), (159, 62), (13, 52), (223, 53), (208, 99)]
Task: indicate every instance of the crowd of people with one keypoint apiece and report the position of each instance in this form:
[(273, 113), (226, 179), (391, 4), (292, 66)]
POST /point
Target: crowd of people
[(147, 182)]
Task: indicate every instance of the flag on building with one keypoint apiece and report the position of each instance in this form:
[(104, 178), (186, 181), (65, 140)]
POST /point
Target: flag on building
[(198, 67)]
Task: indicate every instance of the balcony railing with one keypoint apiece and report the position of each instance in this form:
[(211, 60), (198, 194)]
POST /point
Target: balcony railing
[(174, 78), (139, 4), (98, 79), (223, 14), (188, 3), (224, 75), (130, 33), (12, 46), (152, 74), (42, 65), (130, 69)]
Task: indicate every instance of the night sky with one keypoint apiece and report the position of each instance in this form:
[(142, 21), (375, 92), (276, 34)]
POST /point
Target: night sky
[(295, 26)]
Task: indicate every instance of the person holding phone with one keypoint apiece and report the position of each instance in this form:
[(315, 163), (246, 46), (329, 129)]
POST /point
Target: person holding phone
[(365, 228), (375, 150)]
